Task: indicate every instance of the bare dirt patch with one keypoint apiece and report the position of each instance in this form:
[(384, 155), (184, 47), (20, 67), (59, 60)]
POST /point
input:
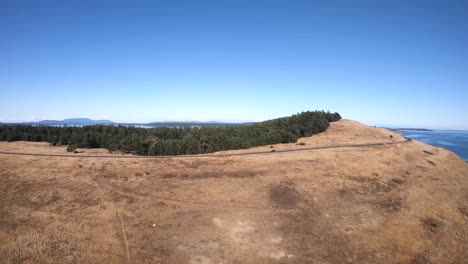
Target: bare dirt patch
[(432, 225), (284, 195), (391, 204), (421, 258), (463, 211)]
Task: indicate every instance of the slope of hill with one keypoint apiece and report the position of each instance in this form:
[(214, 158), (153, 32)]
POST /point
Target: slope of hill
[(394, 203)]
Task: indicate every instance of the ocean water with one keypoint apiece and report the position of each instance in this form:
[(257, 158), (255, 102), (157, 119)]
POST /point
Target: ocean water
[(454, 140)]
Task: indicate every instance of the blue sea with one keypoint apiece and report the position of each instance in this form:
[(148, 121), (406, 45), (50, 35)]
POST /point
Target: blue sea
[(454, 140)]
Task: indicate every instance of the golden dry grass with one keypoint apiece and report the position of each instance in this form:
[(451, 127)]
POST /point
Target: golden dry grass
[(402, 203)]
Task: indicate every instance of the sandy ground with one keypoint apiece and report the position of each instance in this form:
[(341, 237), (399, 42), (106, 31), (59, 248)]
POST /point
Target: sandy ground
[(401, 203)]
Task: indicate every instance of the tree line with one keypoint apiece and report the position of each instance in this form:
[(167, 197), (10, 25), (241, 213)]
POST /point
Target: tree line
[(175, 140)]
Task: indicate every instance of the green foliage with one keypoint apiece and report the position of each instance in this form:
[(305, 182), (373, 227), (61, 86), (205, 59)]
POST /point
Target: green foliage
[(71, 148), (176, 140)]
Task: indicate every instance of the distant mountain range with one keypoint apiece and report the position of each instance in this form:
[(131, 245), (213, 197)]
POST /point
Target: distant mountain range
[(75, 122), (88, 121), (68, 121)]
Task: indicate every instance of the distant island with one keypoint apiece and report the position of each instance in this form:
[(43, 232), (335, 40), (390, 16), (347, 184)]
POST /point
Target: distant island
[(91, 122), (64, 122)]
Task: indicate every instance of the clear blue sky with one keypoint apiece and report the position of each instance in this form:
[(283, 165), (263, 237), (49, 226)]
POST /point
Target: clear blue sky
[(379, 62)]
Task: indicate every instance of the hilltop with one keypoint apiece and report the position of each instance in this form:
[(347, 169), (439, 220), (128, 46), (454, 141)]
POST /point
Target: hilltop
[(395, 201)]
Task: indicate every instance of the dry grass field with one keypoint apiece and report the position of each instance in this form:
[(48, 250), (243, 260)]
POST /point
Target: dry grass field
[(395, 203)]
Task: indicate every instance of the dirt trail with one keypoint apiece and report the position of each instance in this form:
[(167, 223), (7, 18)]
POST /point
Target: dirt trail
[(125, 241), (108, 190), (211, 155)]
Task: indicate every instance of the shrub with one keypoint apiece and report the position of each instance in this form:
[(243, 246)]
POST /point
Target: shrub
[(72, 148)]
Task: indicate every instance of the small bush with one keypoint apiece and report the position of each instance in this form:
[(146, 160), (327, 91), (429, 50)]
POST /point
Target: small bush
[(301, 143), (72, 148)]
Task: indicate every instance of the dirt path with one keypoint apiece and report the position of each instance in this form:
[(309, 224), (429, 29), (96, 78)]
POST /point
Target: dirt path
[(211, 155), (122, 226), (123, 239)]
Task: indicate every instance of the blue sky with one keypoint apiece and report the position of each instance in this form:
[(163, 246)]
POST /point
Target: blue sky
[(401, 63)]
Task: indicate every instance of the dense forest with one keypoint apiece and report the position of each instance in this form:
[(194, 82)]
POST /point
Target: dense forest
[(175, 140)]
